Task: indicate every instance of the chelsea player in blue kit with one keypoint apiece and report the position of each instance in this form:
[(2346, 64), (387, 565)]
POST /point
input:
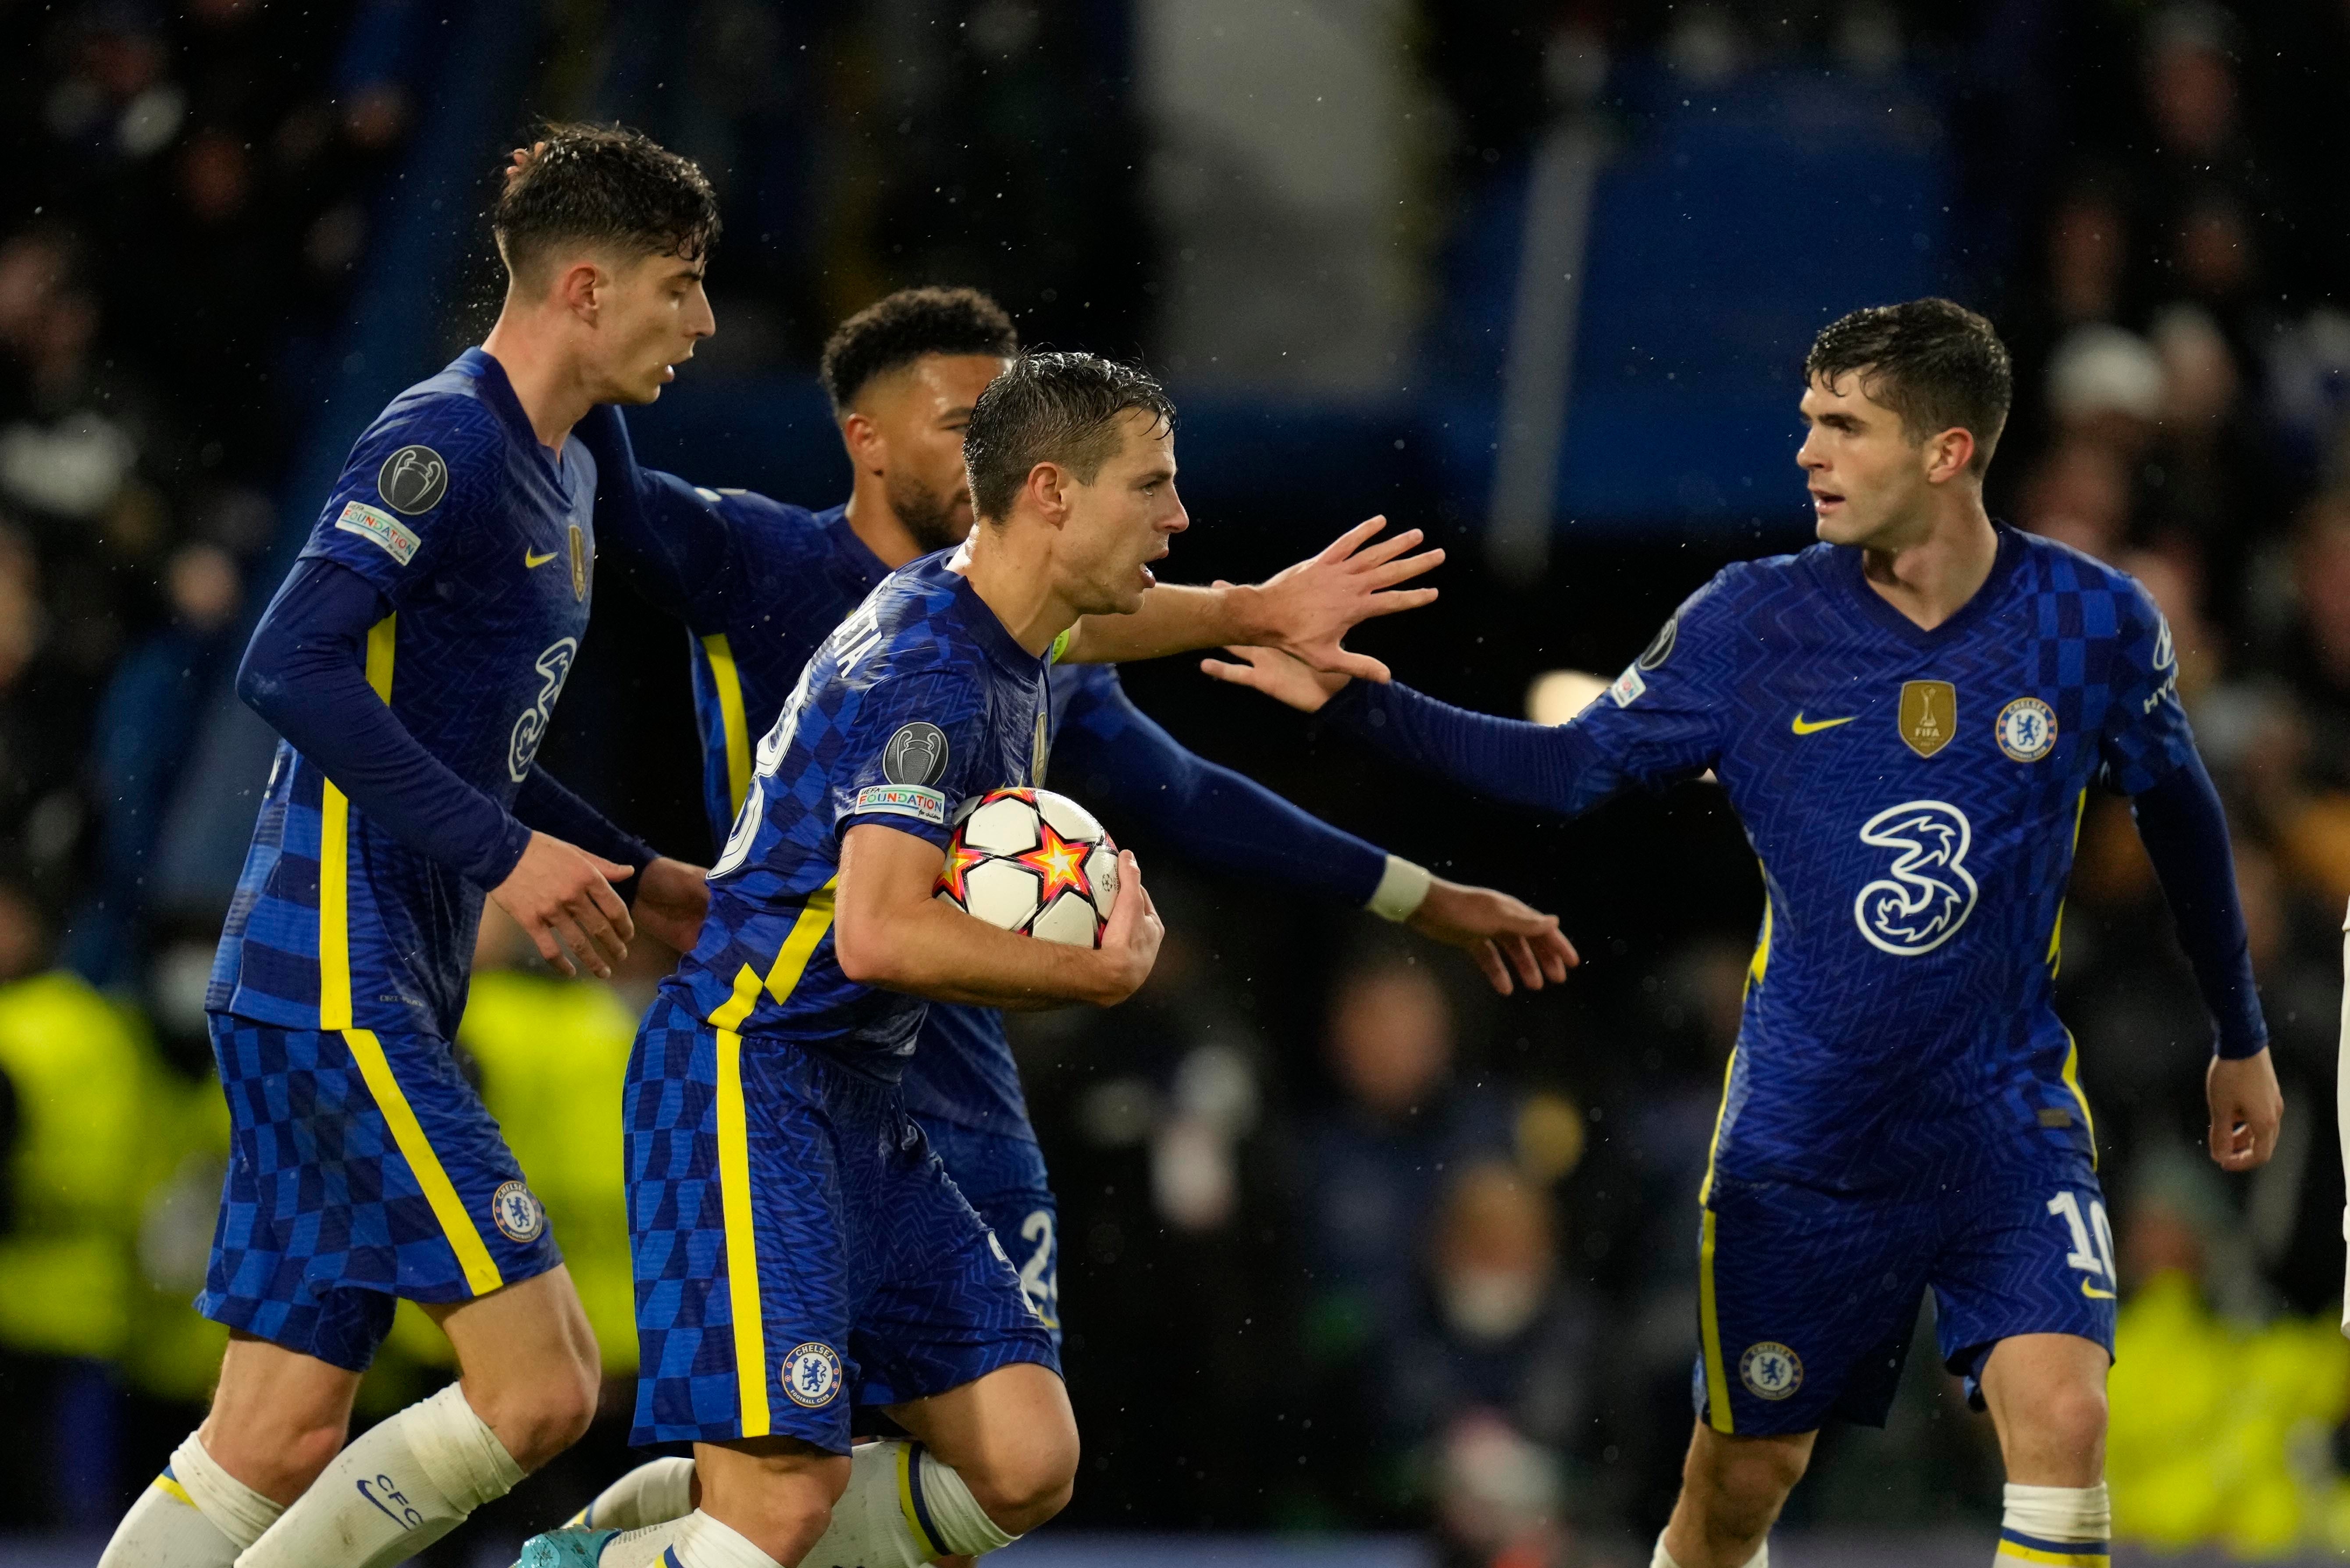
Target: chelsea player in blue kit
[(411, 660), (759, 584), (797, 1239), (1909, 718)]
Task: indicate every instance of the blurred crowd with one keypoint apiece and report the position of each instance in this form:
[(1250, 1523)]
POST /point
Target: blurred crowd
[(1388, 1256)]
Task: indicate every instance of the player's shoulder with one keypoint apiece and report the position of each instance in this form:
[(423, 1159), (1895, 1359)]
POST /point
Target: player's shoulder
[(777, 526), (437, 436), (2110, 598), (1739, 589)]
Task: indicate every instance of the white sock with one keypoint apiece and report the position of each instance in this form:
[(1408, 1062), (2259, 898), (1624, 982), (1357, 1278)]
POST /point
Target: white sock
[(884, 1521), (1664, 1559), (652, 1493), (405, 1484), (699, 1541), (194, 1515), (2072, 1520)]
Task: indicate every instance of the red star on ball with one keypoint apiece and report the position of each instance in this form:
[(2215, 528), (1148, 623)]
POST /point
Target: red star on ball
[(1061, 862), (961, 858)]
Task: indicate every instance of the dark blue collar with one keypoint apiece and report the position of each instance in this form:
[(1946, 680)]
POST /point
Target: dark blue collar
[(1879, 609), (985, 629), (498, 393), (851, 551)]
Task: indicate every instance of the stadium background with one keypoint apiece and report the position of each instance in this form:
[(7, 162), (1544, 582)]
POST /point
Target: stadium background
[(1347, 1247)]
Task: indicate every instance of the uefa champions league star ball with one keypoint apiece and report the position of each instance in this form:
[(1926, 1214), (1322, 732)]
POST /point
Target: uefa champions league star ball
[(1032, 862)]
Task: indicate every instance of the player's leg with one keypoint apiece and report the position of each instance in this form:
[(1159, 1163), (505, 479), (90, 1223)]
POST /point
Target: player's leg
[(277, 1416), (424, 1191), (1806, 1299), (2026, 1291), (1732, 1489)]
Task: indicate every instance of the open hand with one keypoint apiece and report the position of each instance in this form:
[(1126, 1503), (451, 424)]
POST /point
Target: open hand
[(671, 899), (1278, 676), (2246, 1110), (1306, 611), (563, 897), (1498, 933)]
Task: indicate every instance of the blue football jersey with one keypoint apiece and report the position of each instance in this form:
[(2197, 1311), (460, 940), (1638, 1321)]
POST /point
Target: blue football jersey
[(483, 543), (916, 702), (1914, 797)]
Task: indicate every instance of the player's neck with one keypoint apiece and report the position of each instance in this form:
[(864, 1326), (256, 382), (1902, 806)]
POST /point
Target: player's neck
[(1930, 577), (547, 380), (1011, 570), (875, 521)]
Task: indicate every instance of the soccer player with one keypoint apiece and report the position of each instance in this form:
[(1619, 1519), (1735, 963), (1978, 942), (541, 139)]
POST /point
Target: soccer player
[(795, 1237), (411, 661), (759, 584), (1908, 717)]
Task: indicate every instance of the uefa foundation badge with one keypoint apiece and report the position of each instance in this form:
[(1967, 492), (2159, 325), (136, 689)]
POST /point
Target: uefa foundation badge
[(1769, 1370), (812, 1374)]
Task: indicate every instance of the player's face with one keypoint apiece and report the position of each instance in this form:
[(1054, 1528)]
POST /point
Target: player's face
[(650, 313), (921, 413), (1868, 478), (1122, 522)]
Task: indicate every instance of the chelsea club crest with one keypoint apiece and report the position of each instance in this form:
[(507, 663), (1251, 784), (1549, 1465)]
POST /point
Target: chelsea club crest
[(811, 1375), (2027, 729), (1769, 1370), (517, 1210)]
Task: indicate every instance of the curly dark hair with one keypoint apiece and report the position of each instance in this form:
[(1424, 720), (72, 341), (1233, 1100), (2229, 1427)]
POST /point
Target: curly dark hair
[(899, 328), (605, 186), (1934, 363), (1052, 407)]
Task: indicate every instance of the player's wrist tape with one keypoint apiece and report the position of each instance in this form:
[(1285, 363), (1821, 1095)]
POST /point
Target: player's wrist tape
[(1403, 888)]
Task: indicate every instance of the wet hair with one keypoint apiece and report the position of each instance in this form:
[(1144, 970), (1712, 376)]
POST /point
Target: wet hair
[(899, 328), (1052, 407), (606, 187), (1937, 364)]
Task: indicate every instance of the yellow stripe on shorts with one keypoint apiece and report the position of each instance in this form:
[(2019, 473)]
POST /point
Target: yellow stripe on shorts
[(734, 1152), (481, 1274), (729, 683)]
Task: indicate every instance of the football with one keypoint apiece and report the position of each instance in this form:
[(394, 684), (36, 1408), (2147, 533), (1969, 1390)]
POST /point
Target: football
[(1032, 862)]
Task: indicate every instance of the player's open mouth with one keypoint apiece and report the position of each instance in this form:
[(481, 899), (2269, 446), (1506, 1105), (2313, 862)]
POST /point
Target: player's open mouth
[(1824, 499)]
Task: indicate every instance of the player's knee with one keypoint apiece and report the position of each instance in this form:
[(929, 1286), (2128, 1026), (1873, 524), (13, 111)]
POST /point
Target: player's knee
[(539, 1418), (2069, 1419), (1030, 1480), (276, 1454), (1749, 1474)]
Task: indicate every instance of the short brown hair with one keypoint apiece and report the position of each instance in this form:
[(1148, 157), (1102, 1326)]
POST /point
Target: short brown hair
[(1934, 363), (1052, 407), (603, 186)]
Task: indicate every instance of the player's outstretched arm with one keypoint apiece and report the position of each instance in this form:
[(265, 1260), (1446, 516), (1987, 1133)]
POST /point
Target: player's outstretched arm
[(1222, 819), (1306, 610), (2184, 829), (890, 931), (1556, 768)]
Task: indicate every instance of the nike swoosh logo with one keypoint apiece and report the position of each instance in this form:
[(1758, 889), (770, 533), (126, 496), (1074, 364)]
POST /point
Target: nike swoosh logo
[(1815, 726), (2094, 1294), (533, 558)]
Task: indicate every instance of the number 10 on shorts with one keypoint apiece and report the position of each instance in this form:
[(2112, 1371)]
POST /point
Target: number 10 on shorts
[(2092, 1254)]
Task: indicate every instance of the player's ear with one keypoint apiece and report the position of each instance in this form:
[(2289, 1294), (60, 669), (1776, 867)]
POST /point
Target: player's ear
[(869, 449), (582, 288), (1048, 487), (1949, 454)]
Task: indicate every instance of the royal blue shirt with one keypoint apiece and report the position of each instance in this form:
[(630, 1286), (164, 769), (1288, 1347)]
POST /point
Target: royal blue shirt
[(1914, 797), (759, 584), (918, 702), (479, 544)]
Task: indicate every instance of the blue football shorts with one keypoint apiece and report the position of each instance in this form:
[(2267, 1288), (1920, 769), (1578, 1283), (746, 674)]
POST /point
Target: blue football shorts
[(1005, 1177), (362, 1169), (798, 1245), (1807, 1298)]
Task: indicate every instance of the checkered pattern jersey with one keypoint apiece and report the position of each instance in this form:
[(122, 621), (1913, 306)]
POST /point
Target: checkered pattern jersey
[(1914, 797), (921, 649), (335, 924)]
